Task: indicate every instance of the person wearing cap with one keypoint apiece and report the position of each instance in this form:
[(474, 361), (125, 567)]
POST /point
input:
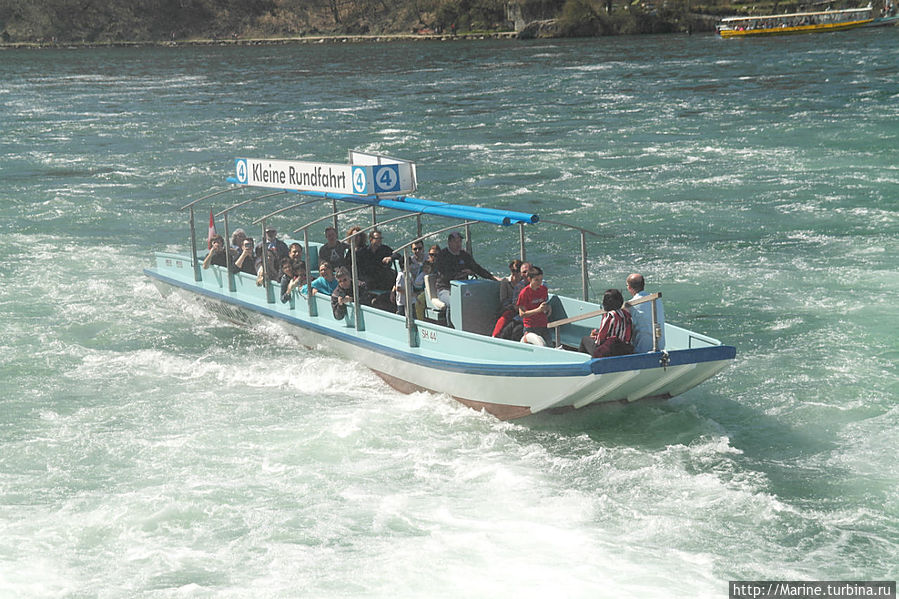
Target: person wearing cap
[(271, 242), (455, 264)]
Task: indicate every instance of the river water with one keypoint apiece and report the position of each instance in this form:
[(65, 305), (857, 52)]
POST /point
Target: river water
[(150, 449)]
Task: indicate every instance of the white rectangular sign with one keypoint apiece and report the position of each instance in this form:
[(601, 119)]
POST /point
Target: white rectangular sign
[(352, 179), (405, 169), (305, 176)]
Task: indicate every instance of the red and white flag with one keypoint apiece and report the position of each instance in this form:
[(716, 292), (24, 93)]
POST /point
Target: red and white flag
[(211, 231)]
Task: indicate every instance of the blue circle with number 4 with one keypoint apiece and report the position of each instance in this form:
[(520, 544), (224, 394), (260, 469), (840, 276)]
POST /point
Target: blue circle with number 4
[(387, 178), (241, 168), (359, 183)]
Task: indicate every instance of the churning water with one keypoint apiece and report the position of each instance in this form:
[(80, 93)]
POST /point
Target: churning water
[(150, 449)]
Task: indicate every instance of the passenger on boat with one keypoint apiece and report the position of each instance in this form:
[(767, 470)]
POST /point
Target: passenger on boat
[(433, 252), (455, 264), (343, 295), (364, 262), (291, 278), (418, 282), (641, 314), (237, 238), (380, 275), (334, 250), (522, 280), (216, 255), (295, 255), (326, 282), (416, 262), (271, 238), (507, 299), (420, 301), (272, 264), (613, 337), (533, 306), (245, 261)]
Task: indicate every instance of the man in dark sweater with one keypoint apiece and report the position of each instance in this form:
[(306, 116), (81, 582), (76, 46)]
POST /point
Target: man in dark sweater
[(455, 264)]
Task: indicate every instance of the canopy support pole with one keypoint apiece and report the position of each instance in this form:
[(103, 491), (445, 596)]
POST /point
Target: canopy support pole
[(357, 320), (584, 282), (193, 248), (656, 329), (411, 329), (313, 309), (269, 295), (232, 287), (521, 250), (193, 233)]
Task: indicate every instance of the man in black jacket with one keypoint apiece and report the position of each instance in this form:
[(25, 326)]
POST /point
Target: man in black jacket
[(455, 264)]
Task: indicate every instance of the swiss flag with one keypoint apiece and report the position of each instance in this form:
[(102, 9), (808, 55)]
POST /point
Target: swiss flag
[(211, 231)]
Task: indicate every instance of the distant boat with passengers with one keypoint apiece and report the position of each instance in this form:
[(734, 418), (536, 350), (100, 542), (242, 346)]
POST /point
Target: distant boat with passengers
[(455, 355), (808, 22)]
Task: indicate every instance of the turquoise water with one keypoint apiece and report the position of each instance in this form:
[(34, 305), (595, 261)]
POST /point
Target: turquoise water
[(152, 450)]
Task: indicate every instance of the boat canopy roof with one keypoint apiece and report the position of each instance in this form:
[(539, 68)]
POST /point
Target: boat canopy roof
[(796, 14), (494, 216)]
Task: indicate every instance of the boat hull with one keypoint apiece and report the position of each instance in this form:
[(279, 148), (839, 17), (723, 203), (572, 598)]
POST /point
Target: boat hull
[(819, 28), (508, 380)]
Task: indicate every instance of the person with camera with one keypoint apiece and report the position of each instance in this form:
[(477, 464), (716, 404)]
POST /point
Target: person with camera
[(216, 255), (244, 262)]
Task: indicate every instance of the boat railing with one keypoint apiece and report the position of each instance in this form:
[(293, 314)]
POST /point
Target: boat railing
[(224, 213), (351, 241), (463, 217), (846, 11), (270, 297), (195, 262), (404, 249), (656, 329), (585, 282)]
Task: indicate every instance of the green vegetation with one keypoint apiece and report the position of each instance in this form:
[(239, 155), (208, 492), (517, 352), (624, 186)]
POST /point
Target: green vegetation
[(110, 21)]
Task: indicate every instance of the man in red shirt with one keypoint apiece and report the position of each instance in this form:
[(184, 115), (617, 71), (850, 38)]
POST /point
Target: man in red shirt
[(533, 307)]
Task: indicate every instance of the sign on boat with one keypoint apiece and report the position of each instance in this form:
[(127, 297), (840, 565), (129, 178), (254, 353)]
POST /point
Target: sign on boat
[(450, 350)]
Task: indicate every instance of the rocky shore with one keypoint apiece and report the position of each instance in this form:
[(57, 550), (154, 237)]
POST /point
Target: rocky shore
[(272, 41)]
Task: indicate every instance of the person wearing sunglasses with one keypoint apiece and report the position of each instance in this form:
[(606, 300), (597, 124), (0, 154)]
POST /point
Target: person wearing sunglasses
[(417, 276)]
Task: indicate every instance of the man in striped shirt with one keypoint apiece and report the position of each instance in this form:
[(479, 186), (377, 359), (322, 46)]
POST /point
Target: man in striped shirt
[(613, 337)]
